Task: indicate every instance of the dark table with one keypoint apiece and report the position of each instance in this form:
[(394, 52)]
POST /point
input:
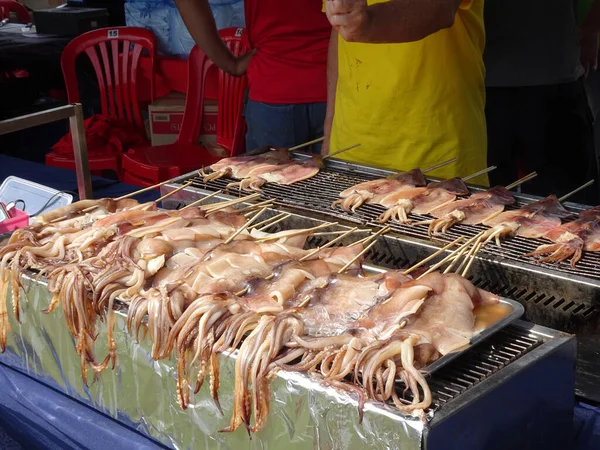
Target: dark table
[(24, 50)]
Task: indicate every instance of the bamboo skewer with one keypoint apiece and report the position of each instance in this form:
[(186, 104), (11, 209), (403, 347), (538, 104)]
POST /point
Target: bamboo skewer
[(299, 232), (281, 219), (221, 205), (173, 192), (478, 247), (146, 189), (481, 172), (575, 191), (328, 244), (452, 255), (430, 257), (202, 200), (353, 260), (270, 219), (123, 197), (373, 236), (331, 155), (246, 225), (328, 233), (439, 166), (520, 181), (256, 205), (470, 253), (306, 144)]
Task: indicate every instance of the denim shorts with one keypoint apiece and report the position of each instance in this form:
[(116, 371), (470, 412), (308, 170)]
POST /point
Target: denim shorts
[(283, 125)]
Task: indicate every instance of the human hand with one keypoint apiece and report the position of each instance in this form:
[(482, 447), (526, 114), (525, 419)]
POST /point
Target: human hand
[(240, 64), (350, 18), (588, 43)]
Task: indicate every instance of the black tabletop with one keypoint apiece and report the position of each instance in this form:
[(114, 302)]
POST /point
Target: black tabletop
[(29, 50)]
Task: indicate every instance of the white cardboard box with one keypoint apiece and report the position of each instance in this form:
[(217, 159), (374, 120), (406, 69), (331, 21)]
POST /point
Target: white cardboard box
[(166, 117)]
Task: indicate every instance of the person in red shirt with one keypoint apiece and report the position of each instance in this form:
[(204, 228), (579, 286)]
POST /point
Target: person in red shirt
[(287, 68)]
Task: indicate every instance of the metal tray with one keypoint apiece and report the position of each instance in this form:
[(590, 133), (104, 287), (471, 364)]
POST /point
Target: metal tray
[(517, 311)]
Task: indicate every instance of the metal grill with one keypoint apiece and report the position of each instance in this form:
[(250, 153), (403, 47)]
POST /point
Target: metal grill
[(553, 298), (318, 193), (479, 363)]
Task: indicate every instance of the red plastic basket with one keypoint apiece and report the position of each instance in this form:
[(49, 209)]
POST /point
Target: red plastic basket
[(18, 219)]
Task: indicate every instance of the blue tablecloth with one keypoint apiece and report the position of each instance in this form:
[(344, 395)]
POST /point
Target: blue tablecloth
[(66, 180)]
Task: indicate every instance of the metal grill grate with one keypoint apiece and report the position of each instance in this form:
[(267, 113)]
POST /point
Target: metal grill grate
[(479, 363), (318, 193)]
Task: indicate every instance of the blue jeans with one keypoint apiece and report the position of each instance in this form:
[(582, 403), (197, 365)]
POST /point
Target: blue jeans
[(283, 125)]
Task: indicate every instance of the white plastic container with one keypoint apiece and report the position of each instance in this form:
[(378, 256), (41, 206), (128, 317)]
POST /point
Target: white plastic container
[(36, 196)]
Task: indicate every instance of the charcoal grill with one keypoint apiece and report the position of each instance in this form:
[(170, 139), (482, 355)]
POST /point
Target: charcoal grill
[(556, 296)]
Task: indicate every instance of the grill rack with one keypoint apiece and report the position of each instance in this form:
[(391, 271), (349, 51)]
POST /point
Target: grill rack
[(319, 192), (554, 296), (479, 363)]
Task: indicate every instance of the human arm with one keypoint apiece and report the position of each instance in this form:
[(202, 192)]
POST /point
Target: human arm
[(394, 21), (332, 77), (199, 20), (588, 39)]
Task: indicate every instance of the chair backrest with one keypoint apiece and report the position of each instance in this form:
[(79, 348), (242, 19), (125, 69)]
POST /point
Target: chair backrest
[(230, 123), (8, 6), (115, 55)]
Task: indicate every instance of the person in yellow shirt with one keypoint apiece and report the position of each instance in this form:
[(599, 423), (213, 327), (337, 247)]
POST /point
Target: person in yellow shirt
[(406, 81)]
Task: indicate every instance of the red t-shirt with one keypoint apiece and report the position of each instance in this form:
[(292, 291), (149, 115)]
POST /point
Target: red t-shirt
[(291, 38)]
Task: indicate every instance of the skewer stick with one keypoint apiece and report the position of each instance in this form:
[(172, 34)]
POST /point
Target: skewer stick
[(329, 233), (149, 188), (478, 247), (438, 166), (202, 200), (83, 211), (331, 155), (306, 144), (298, 232), (520, 181), (353, 260), (256, 205), (430, 257), (217, 206), (327, 245), (575, 191), (468, 255), (281, 219), (373, 236), (264, 222), (246, 225), (452, 256), (173, 192), (481, 172)]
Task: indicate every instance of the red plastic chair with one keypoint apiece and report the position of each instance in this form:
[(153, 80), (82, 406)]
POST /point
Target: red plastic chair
[(8, 6), (148, 166), (115, 55)]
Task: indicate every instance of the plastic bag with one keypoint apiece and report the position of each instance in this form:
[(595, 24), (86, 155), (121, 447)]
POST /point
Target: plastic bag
[(227, 13), (152, 15), (180, 40)]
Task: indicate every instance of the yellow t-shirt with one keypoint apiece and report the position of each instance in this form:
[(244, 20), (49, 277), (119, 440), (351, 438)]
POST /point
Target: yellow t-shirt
[(416, 104)]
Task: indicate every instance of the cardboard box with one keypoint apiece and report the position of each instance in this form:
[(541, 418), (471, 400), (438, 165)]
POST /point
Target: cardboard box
[(166, 117)]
